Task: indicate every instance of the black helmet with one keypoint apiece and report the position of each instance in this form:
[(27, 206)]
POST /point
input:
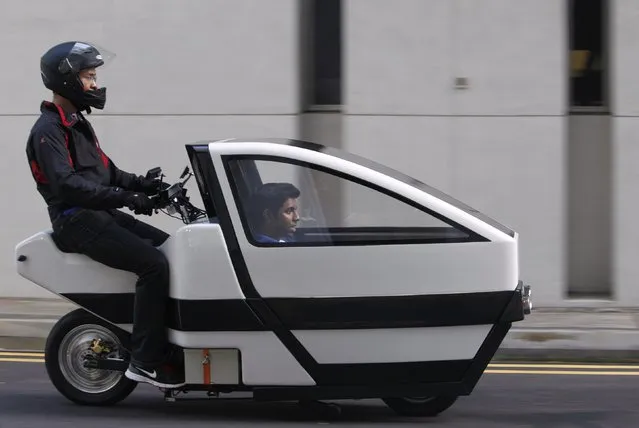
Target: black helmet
[(60, 67)]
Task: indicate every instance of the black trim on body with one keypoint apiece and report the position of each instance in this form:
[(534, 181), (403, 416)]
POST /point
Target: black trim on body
[(194, 156), (514, 311), (357, 392), (183, 315), (386, 373), (396, 235), (441, 310), (341, 313)]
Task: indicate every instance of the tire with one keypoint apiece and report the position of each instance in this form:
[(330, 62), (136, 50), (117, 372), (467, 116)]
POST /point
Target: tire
[(67, 343), (420, 406)]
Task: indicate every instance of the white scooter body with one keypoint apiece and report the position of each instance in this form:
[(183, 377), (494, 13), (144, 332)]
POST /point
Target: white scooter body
[(356, 308)]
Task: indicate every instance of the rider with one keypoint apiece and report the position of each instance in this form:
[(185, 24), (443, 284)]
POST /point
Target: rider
[(275, 212), (83, 189)]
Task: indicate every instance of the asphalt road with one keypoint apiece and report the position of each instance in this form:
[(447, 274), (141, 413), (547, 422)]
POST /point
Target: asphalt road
[(556, 396)]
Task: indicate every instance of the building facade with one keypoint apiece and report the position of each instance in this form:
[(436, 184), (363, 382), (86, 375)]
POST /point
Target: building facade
[(524, 109)]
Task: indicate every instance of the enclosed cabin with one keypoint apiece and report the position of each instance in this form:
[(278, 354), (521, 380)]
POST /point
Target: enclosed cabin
[(343, 225)]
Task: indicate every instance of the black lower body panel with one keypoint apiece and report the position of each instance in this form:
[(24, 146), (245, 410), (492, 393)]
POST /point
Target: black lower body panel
[(357, 392)]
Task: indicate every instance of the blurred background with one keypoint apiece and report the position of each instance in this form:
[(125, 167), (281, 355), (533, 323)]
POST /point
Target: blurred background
[(524, 109)]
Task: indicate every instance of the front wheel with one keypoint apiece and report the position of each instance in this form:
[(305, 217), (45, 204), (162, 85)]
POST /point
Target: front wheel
[(420, 406), (75, 337)]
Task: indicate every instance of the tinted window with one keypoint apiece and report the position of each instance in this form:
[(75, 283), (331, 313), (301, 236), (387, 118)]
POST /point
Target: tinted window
[(331, 208)]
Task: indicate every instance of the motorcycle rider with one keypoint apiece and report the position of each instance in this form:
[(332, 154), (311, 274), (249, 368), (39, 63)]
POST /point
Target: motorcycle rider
[(83, 189)]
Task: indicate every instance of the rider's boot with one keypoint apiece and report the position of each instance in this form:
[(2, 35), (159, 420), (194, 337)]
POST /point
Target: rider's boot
[(169, 374), (163, 376)]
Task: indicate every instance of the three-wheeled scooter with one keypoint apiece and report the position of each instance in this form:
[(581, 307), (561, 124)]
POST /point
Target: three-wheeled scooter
[(388, 288)]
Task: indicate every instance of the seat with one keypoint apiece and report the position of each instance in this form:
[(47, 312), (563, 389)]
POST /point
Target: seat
[(66, 250)]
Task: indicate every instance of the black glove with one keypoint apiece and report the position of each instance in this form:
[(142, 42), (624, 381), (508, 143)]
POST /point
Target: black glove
[(152, 187), (139, 203)]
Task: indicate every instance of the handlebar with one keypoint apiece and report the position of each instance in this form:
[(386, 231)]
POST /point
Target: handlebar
[(174, 199)]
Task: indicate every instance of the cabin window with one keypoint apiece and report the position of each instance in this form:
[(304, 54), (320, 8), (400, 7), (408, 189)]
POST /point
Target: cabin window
[(331, 208)]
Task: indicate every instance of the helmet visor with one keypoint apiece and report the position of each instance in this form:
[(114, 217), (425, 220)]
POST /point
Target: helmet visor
[(84, 55)]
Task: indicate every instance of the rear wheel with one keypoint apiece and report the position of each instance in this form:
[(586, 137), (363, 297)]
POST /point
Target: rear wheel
[(79, 336), (420, 406)]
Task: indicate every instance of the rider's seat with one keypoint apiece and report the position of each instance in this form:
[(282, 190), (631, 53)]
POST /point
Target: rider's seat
[(64, 249)]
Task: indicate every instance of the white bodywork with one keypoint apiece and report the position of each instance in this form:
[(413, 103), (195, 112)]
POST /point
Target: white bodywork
[(370, 270), (265, 361), (394, 345), (201, 268)]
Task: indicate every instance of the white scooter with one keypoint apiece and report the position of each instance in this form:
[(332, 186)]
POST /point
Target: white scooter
[(391, 289)]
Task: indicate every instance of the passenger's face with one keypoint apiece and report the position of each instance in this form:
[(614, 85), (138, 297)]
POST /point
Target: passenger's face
[(287, 217)]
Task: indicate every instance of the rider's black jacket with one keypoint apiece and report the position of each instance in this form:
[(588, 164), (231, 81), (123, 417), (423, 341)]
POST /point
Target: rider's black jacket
[(70, 168)]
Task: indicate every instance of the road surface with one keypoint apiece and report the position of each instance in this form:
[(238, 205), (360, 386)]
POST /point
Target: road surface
[(517, 395)]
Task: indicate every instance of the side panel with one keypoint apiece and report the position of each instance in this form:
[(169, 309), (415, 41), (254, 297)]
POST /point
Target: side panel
[(200, 265), (212, 366), (62, 273), (393, 345), (204, 293), (385, 270), (265, 361)]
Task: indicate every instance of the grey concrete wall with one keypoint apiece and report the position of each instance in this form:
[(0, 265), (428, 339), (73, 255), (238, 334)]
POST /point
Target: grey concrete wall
[(498, 145), (201, 69), (625, 160), (589, 213), (184, 71)]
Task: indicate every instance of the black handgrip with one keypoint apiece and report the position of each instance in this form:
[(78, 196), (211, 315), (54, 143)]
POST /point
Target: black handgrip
[(153, 172)]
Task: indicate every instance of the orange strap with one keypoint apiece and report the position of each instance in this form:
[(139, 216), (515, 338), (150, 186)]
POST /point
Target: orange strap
[(206, 367)]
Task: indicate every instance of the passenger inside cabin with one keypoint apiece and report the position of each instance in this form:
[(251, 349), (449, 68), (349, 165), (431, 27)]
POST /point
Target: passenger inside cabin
[(275, 212)]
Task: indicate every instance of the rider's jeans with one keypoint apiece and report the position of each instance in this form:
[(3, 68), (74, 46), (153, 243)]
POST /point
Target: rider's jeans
[(119, 240)]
